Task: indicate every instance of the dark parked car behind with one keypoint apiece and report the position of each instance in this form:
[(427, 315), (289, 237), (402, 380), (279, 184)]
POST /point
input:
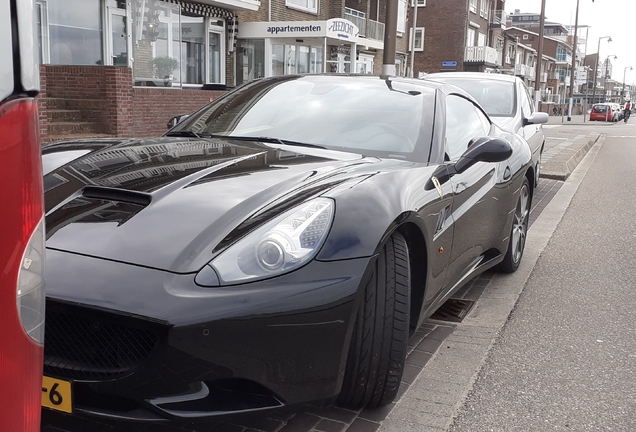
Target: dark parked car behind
[(276, 247)]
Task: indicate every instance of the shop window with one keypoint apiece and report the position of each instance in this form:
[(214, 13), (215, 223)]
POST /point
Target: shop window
[(296, 59), (70, 32), (305, 5), (364, 64), (172, 49)]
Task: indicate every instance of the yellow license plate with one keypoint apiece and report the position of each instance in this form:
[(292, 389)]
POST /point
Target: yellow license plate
[(56, 394)]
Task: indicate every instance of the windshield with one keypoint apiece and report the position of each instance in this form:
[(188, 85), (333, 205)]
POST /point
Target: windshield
[(600, 108), (497, 98), (367, 115)]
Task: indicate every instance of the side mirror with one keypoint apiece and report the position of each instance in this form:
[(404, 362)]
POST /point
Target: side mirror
[(177, 119), (486, 149), (536, 118)]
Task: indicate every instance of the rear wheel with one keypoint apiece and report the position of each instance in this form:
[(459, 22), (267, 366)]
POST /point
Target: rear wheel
[(518, 232), (378, 344)]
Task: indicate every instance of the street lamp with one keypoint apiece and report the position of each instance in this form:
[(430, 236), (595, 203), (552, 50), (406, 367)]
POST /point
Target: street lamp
[(623, 90), (598, 57), (607, 62)]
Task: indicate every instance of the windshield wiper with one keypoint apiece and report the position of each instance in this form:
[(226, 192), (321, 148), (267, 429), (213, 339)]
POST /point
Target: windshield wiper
[(271, 140), (189, 133)]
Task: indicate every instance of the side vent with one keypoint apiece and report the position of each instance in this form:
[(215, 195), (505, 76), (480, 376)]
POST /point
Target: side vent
[(119, 195)]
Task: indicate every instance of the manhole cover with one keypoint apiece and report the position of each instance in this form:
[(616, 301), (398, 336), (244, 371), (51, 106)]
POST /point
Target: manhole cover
[(454, 310)]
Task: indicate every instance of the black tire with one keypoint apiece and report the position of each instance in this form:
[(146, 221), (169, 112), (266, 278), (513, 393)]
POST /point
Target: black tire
[(378, 345), (519, 230)]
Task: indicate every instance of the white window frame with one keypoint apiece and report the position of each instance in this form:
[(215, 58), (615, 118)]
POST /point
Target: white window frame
[(482, 39), (420, 3), (525, 37), (213, 27), (401, 20), (483, 8), (312, 10), (470, 37), (473, 6), (412, 38)]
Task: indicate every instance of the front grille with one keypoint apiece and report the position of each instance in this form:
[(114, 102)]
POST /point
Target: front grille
[(88, 347)]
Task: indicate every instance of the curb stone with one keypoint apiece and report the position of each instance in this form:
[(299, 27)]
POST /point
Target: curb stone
[(561, 166)]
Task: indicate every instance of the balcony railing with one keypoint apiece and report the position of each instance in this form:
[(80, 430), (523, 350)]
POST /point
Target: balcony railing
[(482, 54), (498, 17), (359, 21), (375, 30)]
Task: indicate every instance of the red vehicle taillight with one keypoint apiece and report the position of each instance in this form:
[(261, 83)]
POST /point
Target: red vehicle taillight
[(21, 266)]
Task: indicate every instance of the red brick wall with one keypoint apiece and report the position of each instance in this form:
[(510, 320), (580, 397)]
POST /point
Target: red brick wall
[(152, 108), (105, 96), (99, 92), (445, 23), (41, 98)]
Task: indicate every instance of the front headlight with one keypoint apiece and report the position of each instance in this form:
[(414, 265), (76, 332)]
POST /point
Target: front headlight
[(283, 244)]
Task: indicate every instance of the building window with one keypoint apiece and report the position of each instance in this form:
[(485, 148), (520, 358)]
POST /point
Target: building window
[(290, 59), (470, 37), (561, 54), (364, 64), (401, 23), (483, 8), (418, 39), (250, 60), (304, 5), (70, 32), (525, 37), (420, 3), (473, 6), (171, 49), (481, 39)]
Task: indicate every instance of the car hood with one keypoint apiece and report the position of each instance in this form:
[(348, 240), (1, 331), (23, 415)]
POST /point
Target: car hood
[(166, 203)]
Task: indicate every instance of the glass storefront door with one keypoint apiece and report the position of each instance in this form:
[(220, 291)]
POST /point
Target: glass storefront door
[(289, 59)]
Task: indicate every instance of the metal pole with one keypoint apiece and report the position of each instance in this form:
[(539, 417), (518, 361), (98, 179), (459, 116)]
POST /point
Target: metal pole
[(574, 50), (623, 90), (598, 58), (537, 79), (411, 72), (390, 34)]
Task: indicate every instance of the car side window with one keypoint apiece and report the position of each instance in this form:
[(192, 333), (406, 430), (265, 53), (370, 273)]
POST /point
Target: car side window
[(464, 121), (526, 102)]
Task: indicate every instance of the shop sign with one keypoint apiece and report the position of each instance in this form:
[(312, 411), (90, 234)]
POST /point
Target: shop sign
[(338, 28)]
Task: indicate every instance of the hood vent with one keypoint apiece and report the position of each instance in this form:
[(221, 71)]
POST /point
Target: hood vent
[(119, 195)]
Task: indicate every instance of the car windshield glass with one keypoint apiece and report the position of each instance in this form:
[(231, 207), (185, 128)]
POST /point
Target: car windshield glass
[(366, 115), (497, 98)]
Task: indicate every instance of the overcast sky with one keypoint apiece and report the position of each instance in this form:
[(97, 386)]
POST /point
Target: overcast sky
[(615, 18)]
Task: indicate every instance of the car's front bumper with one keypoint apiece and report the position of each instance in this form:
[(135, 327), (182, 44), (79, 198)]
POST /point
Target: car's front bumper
[(194, 351)]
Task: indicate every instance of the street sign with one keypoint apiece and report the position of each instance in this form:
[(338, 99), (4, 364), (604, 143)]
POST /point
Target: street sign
[(449, 63)]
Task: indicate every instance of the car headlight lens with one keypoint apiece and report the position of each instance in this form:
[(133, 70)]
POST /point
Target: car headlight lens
[(280, 246)]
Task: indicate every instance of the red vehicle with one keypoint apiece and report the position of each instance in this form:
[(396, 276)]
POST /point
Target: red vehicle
[(21, 222), (604, 112)]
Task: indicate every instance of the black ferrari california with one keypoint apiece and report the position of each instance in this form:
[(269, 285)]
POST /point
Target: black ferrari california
[(278, 246)]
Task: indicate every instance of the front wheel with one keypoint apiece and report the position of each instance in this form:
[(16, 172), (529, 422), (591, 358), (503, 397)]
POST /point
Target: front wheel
[(518, 232), (378, 345)]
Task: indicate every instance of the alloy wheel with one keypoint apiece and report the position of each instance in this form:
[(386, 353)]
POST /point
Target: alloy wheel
[(520, 223)]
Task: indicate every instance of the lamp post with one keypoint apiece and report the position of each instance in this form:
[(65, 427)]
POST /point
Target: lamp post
[(607, 62), (623, 90), (574, 50), (598, 57)]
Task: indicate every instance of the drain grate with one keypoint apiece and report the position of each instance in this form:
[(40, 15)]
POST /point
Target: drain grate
[(454, 310)]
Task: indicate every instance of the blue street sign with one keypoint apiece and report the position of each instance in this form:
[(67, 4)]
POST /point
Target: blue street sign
[(449, 63)]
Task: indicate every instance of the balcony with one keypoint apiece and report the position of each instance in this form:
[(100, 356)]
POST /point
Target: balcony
[(483, 55), (498, 19), (375, 30), (367, 28), (360, 21)]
